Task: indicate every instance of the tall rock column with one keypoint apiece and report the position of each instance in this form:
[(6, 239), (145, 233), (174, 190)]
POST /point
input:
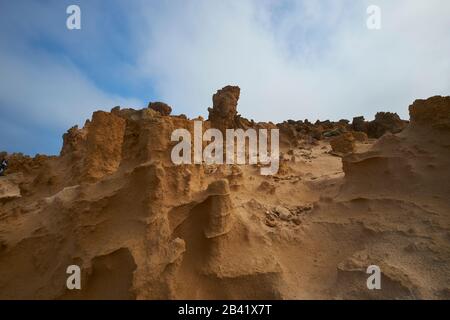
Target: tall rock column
[(223, 114), (220, 213)]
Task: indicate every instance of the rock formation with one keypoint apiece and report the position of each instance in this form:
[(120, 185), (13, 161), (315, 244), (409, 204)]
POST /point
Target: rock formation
[(160, 107), (432, 111), (343, 144), (141, 227), (223, 114), (220, 209), (384, 122)]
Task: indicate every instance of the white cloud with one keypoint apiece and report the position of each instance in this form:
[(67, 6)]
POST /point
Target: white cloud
[(42, 91), (51, 93), (309, 59), (292, 59)]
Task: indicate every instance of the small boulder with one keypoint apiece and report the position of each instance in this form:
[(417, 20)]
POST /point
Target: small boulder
[(160, 107), (343, 144), (283, 213), (385, 122)]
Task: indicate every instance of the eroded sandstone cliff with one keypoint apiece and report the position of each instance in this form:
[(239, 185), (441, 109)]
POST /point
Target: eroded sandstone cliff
[(141, 227)]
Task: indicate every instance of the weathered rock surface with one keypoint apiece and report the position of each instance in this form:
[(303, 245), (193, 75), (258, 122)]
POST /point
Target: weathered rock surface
[(160, 107), (385, 122), (432, 112), (140, 227), (343, 144), (223, 114)]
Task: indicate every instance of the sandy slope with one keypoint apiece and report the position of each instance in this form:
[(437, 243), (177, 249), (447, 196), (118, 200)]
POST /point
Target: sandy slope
[(143, 228)]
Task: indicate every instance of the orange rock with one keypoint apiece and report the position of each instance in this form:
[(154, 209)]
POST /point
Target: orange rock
[(434, 112), (343, 144)]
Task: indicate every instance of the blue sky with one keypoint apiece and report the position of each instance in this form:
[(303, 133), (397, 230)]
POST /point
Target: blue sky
[(293, 59)]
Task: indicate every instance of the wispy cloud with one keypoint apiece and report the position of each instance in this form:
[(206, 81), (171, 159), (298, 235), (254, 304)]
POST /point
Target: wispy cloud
[(47, 82), (293, 59), (298, 59)]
